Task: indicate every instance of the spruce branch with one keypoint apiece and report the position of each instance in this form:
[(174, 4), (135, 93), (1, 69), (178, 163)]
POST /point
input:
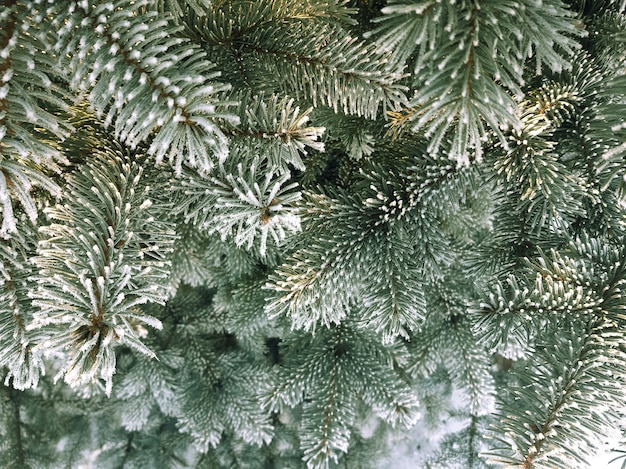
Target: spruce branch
[(333, 437), (276, 129), (355, 84), (301, 283), (580, 367), (340, 366), (16, 353), (478, 74), (377, 226), (429, 214), (300, 287), (265, 14), (293, 51), (102, 256), (224, 400), (356, 134), (504, 319), (541, 438), (393, 299), (29, 96), (146, 80), (469, 369), (250, 204), (180, 9), (191, 257)]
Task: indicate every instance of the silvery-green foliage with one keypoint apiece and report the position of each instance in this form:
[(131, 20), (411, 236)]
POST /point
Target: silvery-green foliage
[(103, 255), (312, 233)]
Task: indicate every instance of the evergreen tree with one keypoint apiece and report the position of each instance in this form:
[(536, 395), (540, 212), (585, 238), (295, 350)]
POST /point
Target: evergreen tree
[(283, 234)]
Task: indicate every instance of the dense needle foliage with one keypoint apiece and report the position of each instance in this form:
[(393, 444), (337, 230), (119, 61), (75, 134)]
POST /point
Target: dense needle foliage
[(306, 234)]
